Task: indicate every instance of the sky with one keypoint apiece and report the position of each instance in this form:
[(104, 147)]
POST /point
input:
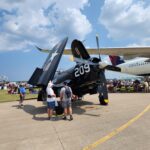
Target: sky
[(26, 23)]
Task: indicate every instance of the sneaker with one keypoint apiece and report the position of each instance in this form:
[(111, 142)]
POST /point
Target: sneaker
[(64, 118), (71, 118)]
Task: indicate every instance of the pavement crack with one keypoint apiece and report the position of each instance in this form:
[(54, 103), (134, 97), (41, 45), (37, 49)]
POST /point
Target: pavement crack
[(58, 137)]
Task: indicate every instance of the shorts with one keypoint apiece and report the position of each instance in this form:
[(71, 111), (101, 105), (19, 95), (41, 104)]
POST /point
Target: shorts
[(51, 105), (66, 104)]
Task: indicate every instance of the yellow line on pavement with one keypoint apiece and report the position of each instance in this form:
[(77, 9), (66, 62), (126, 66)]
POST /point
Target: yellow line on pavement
[(116, 131)]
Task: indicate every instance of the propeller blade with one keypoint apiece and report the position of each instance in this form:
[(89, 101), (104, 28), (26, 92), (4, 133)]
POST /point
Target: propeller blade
[(102, 89), (113, 68), (84, 61), (71, 58), (97, 42), (104, 65)]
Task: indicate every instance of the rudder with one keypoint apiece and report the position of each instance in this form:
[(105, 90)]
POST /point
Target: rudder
[(78, 50), (116, 60)]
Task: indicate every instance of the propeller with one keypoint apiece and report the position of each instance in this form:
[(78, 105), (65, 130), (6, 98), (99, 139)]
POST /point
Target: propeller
[(97, 42), (81, 56), (102, 84), (82, 61)]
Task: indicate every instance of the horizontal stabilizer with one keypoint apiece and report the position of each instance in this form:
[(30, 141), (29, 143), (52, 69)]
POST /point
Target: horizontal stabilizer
[(35, 76)]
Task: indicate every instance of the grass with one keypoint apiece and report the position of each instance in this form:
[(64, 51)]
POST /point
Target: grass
[(5, 97)]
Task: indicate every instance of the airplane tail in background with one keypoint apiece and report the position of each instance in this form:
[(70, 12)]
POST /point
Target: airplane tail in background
[(116, 60)]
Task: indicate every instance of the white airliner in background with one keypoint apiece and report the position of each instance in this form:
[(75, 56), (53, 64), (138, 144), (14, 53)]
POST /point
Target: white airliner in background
[(138, 59), (138, 66)]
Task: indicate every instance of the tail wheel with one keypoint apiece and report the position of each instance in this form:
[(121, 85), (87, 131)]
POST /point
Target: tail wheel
[(103, 101)]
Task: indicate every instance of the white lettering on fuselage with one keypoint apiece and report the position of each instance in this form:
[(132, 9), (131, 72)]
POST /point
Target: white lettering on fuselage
[(81, 70)]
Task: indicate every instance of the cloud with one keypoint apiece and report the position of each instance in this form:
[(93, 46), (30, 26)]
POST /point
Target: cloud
[(41, 22), (128, 19)]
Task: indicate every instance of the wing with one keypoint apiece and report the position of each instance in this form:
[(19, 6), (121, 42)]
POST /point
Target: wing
[(44, 75), (42, 50), (128, 52), (66, 51)]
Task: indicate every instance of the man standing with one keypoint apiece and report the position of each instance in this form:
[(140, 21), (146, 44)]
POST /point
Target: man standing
[(65, 97), (51, 98), (22, 92)]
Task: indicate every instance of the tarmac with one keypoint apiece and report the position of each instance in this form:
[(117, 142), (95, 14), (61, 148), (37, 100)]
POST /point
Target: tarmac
[(122, 125)]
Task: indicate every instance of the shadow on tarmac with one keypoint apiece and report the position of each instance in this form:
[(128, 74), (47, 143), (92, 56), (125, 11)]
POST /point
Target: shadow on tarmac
[(77, 106), (36, 111)]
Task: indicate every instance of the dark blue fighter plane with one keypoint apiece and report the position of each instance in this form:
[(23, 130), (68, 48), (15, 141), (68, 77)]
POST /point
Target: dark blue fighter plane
[(87, 76)]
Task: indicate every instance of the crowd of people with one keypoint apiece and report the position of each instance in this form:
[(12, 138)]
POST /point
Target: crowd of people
[(128, 86), (112, 85), (66, 93), (13, 87)]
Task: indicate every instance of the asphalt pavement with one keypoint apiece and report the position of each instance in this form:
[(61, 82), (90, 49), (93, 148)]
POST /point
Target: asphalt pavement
[(123, 124)]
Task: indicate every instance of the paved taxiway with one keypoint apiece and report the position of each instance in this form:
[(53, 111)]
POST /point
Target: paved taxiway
[(94, 126)]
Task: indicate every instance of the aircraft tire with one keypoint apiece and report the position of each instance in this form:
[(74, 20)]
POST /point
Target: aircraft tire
[(103, 101)]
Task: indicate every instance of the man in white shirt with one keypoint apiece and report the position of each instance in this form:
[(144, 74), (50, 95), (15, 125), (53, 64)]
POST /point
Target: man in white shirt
[(50, 100), (65, 97)]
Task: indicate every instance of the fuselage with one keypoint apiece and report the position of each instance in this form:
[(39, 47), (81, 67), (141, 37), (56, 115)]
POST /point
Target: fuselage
[(82, 78), (137, 66)]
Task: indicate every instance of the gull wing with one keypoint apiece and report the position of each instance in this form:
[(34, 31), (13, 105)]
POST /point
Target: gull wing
[(42, 76), (128, 52)]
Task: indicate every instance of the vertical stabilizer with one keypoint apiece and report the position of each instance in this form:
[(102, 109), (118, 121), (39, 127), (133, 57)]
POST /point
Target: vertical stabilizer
[(78, 50), (116, 60)]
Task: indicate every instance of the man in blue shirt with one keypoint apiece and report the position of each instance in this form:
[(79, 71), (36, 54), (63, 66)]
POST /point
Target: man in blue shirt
[(22, 92)]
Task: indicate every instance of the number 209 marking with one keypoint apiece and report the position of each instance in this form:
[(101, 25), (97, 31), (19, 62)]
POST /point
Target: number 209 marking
[(82, 70)]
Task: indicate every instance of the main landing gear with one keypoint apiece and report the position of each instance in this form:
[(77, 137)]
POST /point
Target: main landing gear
[(103, 101)]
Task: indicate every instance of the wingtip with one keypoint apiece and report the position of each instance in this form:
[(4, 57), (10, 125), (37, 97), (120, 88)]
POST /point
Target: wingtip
[(38, 48)]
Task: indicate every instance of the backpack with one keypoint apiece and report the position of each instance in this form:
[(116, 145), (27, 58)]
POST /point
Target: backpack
[(68, 92)]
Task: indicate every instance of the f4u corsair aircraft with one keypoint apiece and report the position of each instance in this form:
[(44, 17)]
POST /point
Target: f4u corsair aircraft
[(87, 76)]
